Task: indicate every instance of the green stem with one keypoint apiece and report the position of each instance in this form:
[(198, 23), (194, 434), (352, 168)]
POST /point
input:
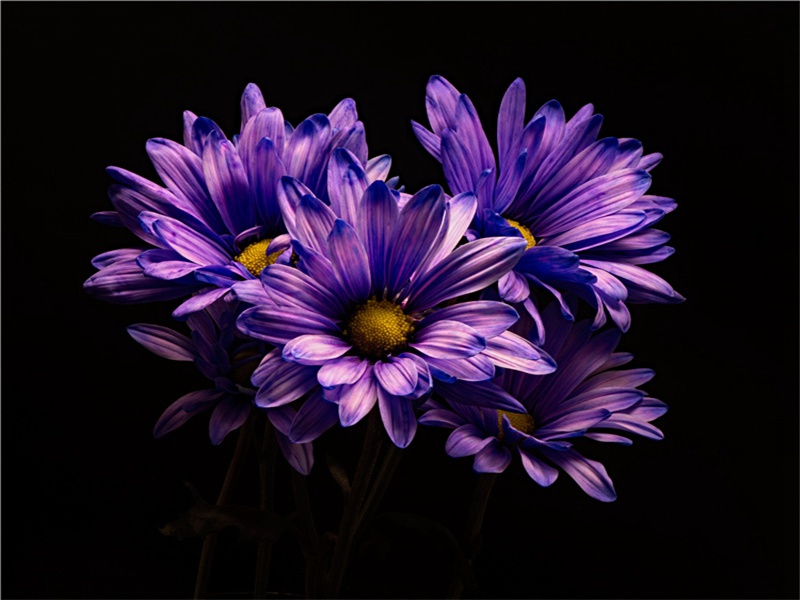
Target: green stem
[(472, 531), (266, 493), (210, 541)]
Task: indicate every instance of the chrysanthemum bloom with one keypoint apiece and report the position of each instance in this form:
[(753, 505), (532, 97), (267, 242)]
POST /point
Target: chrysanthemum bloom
[(584, 398), (228, 359), (364, 316), (578, 202), (218, 221)]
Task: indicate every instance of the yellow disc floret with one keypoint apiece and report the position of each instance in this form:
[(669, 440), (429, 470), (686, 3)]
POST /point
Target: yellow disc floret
[(526, 233), (255, 257), (379, 328), (520, 421)]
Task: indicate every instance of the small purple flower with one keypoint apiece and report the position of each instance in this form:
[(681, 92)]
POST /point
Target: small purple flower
[(228, 359), (578, 202), (375, 310), (584, 398), (218, 220)]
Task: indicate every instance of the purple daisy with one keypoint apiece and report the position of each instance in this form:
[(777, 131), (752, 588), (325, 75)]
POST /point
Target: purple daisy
[(228, 359), (584, 398), (578, 202), (218, 220), (374, 311)]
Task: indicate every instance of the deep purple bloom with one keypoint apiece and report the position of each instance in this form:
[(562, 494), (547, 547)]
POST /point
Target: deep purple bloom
[(578, 202), (367, 314), (218, 220), (584, 398), (228, 359)]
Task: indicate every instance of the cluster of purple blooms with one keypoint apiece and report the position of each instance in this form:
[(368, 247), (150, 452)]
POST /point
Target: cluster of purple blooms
[(314, 288)]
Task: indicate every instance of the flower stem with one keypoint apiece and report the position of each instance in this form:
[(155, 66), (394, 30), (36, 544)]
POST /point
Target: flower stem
[(266, 471), (311, 543), (210, 541), (472, 532), (373, 440)]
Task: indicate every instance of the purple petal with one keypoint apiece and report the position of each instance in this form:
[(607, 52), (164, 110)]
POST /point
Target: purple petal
[(469, 268), (473, 368), (347, 183), (487, 317), (176, 414), (510, 120), (540, 472), (379, 214), (417, 230), (170, 269), (513, 287), (466, 440), (279, 325), (299, 456), (313, 223), (441, 99), (163, 341), (460, 212), (397, 375), (189, 243), (182, 171), (315, 349), (286, 384), (114, 256), (448, 339), (290, 191), (252, 103), (440, 417), (397, 413), (590, 475), (377, 168), (198, 302), (430, 141), (314, 418), (357, 399), (227, 184), (289, 287), (125, 283), (349, 260), (484, 393), (512, 351), (494, 458), (230, 414), (265, 171)]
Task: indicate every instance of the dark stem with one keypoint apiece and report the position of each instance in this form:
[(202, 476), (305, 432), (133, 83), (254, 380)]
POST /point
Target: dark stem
[(266, 494), (472, 532), (310, 543), (373, 440), (210, 541)]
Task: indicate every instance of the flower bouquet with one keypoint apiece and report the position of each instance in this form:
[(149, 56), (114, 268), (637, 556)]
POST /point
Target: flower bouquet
[(315, 293)]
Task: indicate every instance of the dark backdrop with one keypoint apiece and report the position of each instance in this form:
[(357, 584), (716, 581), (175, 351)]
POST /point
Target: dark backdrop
[(709, 512)]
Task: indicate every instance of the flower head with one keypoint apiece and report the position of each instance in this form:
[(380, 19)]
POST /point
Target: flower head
[(579, 203), (584, 398), (365, 314), (228, 359), (218, 220)]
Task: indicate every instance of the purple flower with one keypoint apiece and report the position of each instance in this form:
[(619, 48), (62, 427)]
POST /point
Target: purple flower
[(578, 202), (228, 359), (218, 220), (584, 398), (375, 310)]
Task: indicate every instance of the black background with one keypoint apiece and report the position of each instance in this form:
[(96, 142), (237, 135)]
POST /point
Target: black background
[(709, 512)]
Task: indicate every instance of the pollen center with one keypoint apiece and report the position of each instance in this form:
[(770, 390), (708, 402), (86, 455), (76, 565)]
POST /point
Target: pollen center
[(379, 328), (520, 421), (255, 257), (526, 233)]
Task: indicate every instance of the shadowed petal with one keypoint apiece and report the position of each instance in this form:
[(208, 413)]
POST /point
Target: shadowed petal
[(313, 418), (357, 399), (397, 413), (315, 349), (230, 414), (163, 341), (177, 413), (448, 339)]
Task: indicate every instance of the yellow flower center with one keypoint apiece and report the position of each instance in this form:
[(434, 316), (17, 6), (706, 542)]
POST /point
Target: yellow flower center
[(379, 328), (526, 233), (255, 258), (520, 421)]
